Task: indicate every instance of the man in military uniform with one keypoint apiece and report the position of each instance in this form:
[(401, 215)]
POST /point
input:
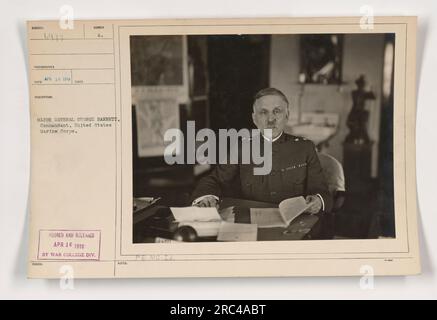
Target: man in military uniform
[(296, 169)]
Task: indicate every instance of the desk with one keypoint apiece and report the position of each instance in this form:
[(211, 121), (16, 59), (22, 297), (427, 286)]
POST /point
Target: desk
[(158, 221)]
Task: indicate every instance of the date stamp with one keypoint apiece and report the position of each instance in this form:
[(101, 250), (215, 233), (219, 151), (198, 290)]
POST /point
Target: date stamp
[(69, 245)]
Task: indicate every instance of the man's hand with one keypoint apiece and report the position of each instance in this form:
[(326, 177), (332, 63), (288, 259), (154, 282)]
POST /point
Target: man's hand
[(316, 204), (208, 201)]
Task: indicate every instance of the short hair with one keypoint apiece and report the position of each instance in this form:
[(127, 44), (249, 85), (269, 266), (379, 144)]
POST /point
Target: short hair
[(270, 92)]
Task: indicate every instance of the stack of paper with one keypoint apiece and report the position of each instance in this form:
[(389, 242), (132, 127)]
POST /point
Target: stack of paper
[(207, 222)]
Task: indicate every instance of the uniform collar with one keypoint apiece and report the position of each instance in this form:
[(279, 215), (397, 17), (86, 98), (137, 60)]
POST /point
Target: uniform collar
[(274, 139)]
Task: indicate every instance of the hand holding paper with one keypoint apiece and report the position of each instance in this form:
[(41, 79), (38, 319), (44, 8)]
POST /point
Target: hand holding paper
[(315, 204)]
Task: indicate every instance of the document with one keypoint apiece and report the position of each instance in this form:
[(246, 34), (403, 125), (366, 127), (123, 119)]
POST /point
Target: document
[(228, 214), (237, 232), (280, 217), (188, 214), (205, 221)]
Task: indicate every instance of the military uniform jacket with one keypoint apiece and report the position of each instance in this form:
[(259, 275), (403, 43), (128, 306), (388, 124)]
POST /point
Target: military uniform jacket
[(296, 171)]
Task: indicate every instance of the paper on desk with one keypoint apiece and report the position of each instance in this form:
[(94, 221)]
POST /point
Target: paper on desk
[(227, 214), (187, 214), (292, 208), (237, 232), (281, 217), (267, 217)]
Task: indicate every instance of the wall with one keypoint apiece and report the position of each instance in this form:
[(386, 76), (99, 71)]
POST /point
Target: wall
[(362, 54)]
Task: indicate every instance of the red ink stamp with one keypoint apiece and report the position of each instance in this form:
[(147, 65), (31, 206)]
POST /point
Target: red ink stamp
[(69, 245)]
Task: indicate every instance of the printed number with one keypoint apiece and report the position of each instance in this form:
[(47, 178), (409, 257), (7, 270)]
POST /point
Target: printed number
[(217, 309)]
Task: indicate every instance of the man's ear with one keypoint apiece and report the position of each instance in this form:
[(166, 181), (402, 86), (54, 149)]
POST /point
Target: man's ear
[(253, 119)]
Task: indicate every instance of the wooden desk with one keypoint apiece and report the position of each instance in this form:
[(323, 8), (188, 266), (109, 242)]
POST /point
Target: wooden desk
[(304, 227)]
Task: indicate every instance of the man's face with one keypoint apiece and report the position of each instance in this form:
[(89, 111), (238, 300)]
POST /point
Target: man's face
[(270, 112)]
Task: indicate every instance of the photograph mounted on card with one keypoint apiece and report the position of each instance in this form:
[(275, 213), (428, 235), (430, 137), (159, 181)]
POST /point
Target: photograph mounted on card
[(323, 106)]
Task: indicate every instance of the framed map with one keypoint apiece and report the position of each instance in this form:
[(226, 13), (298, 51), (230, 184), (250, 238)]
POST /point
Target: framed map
[(154, 117), (159, 67)]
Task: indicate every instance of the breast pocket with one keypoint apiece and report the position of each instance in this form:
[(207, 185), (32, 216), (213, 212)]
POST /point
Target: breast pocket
[(294, 179)]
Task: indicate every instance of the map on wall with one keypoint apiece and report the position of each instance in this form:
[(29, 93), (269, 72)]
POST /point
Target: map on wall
[(154, 118), (156, 60), (159, 67)]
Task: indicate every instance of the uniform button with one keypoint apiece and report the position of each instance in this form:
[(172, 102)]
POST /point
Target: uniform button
[(273, 172), (272, 193)]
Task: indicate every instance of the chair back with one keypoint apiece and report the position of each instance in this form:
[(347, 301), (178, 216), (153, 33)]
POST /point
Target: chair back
[(334, 175)]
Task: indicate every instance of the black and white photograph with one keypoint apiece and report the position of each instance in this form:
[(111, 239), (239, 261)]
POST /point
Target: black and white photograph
[(262, 137), (214, 153), (223, 148)]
